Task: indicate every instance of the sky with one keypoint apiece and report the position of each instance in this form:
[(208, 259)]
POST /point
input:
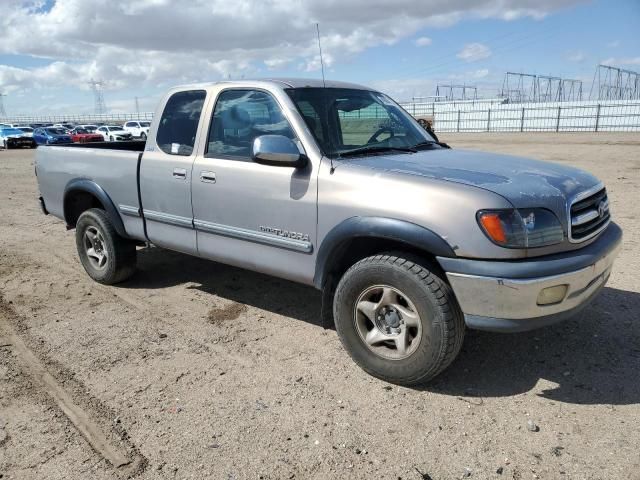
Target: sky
[(50, 50)]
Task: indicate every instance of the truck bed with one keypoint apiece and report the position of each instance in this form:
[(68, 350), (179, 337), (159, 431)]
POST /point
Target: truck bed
[(113, 166)]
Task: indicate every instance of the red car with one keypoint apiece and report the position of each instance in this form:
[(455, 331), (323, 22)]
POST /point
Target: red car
[(81, 135)]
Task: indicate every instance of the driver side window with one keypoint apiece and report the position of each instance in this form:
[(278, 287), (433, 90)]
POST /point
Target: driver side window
[(239, 117)]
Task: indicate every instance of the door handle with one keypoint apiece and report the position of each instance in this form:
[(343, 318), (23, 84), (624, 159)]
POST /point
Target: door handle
[(180, 173), (208, 177)]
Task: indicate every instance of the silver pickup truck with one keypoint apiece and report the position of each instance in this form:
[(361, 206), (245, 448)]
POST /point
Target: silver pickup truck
[(336, 186)]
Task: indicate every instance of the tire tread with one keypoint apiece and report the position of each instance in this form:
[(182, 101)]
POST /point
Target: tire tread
[(453, 325)]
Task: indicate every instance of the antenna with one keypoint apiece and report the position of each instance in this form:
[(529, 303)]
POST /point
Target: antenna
[(320, 49), (324, 87)]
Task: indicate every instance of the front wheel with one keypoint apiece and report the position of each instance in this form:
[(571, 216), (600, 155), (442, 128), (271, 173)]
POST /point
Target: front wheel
[(398, 319), (143, 136), (106, 256)]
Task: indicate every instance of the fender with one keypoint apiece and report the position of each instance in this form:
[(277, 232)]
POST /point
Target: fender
[(376, 227), (89, 186)]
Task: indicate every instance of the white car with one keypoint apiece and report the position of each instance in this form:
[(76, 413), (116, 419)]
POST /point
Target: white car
[(28, 131), (138, 129), (114, 133)]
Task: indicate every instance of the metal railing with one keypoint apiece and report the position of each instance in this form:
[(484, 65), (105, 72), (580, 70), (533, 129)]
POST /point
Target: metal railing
[(480, 116), (81, 119), (550, 117)]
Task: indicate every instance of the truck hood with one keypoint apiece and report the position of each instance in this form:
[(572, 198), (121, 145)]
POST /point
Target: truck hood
[(524, 182)]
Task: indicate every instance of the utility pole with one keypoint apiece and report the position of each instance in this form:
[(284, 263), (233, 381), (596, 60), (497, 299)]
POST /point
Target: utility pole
[(137, 108), (3, 112)]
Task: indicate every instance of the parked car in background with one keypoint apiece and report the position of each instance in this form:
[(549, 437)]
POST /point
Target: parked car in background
[(14, 138), (51, 136), (28, 131), (138, 129), (66, 126), (114, 133), (82, 135), (89, 128)]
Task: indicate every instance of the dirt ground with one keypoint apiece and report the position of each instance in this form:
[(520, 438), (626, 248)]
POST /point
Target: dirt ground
[(199, 370)]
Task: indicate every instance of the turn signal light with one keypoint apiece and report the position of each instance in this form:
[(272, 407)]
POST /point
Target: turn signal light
[(493, 226)]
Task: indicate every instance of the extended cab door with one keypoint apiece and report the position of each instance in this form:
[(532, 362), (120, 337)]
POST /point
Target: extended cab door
[(261, 217), (165, 172)]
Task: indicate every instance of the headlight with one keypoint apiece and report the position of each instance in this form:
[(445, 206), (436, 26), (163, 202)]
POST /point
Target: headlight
[(522, 228)]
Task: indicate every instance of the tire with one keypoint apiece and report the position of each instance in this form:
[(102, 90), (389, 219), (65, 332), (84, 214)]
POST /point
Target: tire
[(426, 309), (143, 136), (113, 258)]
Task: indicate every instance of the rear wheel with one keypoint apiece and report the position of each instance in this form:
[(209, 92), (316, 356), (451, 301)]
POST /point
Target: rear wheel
[(106, 256), (398, 319)]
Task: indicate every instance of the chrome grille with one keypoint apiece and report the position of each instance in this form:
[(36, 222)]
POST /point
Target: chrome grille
[(589, 214)]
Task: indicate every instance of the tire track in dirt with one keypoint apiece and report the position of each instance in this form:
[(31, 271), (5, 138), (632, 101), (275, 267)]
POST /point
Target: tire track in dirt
[(126, 463)]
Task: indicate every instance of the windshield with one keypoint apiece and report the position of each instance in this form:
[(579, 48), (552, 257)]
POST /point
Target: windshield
[(11, 131), (145, 124), (55, 131), (348, 121), (114, 127), (81, 131)]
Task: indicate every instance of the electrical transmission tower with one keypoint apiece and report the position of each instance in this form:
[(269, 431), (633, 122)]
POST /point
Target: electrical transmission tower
[(519, 87), (571, 89), (612, 83), (3, 112), (456, 92), (98, 97), (527, 87)]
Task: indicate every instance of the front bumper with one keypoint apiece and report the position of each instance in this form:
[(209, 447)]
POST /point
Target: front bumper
[(504, 296), (20, 142)]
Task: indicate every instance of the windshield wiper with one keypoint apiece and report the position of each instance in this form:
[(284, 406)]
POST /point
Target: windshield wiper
[(364, 150), (429, 144)]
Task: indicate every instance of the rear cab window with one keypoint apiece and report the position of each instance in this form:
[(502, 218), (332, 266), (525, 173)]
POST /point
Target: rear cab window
[(178, 124)]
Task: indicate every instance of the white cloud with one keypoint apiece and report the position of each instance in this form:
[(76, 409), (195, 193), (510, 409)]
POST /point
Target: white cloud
[(154, 43), (577, 57), (615, 62), (482, 73), (473, 52), (423, 42)]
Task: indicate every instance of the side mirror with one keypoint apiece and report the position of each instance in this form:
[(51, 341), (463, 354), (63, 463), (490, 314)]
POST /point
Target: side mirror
[(277, 150)]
